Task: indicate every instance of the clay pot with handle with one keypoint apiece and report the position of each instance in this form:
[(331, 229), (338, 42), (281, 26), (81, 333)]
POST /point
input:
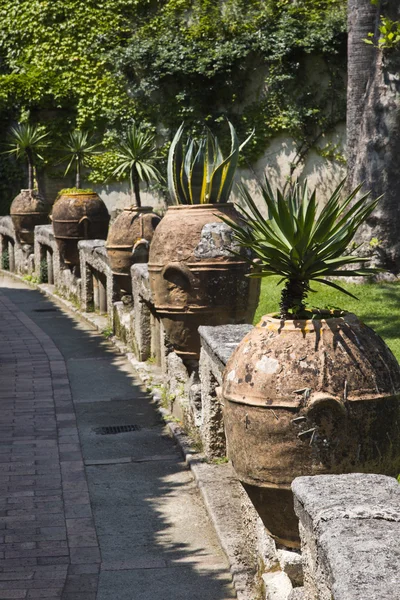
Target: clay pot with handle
[(27, 210), (195, 278), (309, 397), (78, 216), (128, 241)]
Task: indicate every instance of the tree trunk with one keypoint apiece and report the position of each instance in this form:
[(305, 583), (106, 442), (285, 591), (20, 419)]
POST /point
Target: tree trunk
[(374, 133), (30, 170), (135, 185), (361, 20), (78, 176)]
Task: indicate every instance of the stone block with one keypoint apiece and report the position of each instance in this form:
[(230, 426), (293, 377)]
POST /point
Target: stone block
[(349, 527), (277, 585), (291, 564), (217, 345)]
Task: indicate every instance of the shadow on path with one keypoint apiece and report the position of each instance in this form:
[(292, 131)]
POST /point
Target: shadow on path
[(151, 526)]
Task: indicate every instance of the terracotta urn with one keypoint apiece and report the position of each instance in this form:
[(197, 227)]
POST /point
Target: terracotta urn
[(27, 210), (78, 216), (128, 241), (195, 279), (309, 397)]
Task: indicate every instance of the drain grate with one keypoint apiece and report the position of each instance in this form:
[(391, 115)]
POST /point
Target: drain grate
[(113, 429), (45, 310)]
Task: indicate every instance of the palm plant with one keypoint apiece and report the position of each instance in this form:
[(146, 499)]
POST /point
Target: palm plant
[(78, 149), (136, 156), (301, 244), (26, 141), (197, 171)]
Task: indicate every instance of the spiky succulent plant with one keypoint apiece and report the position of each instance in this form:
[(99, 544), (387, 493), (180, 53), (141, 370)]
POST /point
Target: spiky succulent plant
[(27, 141), (136, 156), (301, 242), (78, 148), (197, 171)]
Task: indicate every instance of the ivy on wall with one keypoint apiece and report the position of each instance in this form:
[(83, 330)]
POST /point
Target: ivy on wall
[(99, 64), (199, 60)]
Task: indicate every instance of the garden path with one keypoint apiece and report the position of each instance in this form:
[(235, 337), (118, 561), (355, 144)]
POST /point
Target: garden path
[(85, 515)]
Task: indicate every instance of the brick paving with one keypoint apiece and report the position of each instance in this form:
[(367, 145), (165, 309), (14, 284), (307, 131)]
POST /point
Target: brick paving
[(48, 543)]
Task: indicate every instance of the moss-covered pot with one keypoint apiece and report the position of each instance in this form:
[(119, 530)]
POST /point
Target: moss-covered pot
[(306, 398), (194, 277), (27, 210), (78, 216)]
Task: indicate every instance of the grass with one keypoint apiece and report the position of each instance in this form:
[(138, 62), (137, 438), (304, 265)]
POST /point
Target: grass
[(378, 305)]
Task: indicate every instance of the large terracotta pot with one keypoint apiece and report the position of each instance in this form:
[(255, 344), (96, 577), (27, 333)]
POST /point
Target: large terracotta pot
[(308, 398), (194, 277), (78, 216), (129, 240), (27, 210)]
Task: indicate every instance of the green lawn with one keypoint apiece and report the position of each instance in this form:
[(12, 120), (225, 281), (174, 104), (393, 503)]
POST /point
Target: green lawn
[(378, 305)]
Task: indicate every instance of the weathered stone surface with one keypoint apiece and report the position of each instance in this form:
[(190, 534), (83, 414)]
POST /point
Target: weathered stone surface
[(217, 344), (99, 289), (277, 585), (20, 257), (352, 496), (223, 339), (297, 594), (140, 281), (349, 527), (291, 564), (217, 239)]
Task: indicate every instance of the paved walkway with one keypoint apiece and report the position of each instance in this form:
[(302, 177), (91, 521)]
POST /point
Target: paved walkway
[(86, 515)]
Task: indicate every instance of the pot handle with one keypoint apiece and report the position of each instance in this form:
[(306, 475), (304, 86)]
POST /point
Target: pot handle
[(179, 274), (84, 222), (140, 251), (321, 400)]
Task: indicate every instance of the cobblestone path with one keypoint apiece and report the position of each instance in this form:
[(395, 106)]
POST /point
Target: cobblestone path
[(84, 517)]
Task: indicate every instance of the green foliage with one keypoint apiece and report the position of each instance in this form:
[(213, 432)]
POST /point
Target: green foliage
[(135, 156), (78, 148), (5, 260), (389, 34), (55, 56), (27, 142), (197, 60), (378, 305), (108, 332), (198, 173), (97, 65), (44, 271), (300, 243), (75, 190)]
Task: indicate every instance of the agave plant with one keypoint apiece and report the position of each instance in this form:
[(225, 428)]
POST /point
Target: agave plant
[(78, 147), (136, 156), (197, 171), (27, 141), (302, 244)]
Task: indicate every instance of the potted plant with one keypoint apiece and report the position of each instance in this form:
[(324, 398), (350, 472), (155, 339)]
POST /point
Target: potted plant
[(131, 233), (307, 391), (194, 277), (78, 214), (29, 208)]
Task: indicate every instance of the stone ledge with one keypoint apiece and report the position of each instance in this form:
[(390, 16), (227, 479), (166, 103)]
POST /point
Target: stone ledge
[(222, 340), (7, 227), (351, 496), (349, 526)]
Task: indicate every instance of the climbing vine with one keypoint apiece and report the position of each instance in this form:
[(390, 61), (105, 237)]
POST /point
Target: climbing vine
[(248, 60), (99, 64)]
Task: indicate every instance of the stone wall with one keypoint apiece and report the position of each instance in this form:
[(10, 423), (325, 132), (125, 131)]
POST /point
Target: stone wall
[(349, 524)]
